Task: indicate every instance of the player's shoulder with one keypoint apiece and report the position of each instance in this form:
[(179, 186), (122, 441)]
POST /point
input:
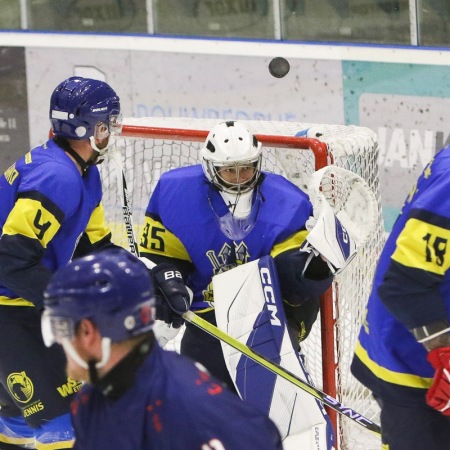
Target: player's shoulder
[(82, 399), (186, 374), (433, 185), (279, 188), (439, 167), (50, 172), (183, 173), (56, 174), (184, 186), (51, 159)]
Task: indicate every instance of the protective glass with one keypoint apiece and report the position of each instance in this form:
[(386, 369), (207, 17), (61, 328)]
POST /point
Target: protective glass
[(115, 124), (236, 177), (55, 329), (103, 130)]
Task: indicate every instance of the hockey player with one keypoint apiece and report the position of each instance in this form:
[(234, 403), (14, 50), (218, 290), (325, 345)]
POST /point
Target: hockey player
[(100, 308), (403, 350), (209, 218), (50, 209)]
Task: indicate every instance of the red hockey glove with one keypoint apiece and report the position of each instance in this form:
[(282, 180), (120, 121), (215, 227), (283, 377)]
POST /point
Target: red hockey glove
[(172, 296), (438, 396)]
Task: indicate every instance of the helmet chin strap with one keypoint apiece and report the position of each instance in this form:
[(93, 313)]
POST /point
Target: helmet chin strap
[(240, 205), (106, 353), (101, 152)]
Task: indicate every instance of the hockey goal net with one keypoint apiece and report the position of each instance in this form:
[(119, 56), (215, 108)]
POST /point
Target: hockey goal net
[(152, 146)]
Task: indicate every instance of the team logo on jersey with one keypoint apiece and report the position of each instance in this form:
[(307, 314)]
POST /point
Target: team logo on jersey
[(20, 386), (228, 258)]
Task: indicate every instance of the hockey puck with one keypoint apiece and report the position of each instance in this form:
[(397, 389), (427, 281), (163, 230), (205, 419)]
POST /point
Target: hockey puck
[(279, 67)]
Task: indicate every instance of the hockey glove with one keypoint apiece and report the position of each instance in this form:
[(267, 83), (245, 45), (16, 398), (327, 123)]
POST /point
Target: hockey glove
[(172, 296), (345, 213), (438, 396), (164, 332), (328, 237)]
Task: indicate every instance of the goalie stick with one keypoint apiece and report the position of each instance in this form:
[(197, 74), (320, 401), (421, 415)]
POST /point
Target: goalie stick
[(196, 320), (163, 332)]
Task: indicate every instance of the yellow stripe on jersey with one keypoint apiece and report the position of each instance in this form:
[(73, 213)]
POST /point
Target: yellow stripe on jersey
[(29, 218), (11, 174), (55, 445), (96, 228), (402, 379), (7, 301), (292, 242), (158, 240), (423, 246), (22, 442)]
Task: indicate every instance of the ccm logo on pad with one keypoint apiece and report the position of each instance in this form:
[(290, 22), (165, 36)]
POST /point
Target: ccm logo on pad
[(269, 296)]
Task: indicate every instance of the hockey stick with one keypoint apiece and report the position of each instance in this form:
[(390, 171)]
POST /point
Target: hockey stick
[(126, 210), (196, 320)]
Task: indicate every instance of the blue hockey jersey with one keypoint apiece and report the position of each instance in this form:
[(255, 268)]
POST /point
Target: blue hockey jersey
[(180, 211), (45, 207), (411, 288), (170, 404)]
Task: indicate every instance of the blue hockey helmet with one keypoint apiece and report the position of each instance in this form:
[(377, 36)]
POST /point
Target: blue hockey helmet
[(82, 107), (111, 287)]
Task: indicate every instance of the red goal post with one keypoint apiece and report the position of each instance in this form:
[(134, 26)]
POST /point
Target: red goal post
[(151, 146)]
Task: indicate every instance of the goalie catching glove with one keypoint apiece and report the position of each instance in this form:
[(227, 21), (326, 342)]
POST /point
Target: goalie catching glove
[(438, 396), (329, 238), (173, 297), (345, 212)]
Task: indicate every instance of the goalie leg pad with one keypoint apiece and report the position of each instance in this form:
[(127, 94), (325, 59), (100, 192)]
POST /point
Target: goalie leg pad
[(249, 307)]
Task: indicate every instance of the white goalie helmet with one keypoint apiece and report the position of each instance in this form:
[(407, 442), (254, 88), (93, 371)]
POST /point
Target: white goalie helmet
[(231, 158)]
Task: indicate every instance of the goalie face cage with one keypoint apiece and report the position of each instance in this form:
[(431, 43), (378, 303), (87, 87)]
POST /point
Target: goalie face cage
[(150, 147)]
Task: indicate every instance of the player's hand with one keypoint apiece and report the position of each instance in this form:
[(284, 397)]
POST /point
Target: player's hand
[(172, 295), (438, 396)]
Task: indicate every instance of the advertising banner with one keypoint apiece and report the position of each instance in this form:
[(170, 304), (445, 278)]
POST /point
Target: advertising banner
[(159, 84), (407, 105), (14, 138)]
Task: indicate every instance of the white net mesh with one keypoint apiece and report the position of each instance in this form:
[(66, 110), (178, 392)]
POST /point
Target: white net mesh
[(351, 147)]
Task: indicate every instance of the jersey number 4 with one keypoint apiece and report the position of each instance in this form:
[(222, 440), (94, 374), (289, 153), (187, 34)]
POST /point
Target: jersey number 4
[(41, 227)]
